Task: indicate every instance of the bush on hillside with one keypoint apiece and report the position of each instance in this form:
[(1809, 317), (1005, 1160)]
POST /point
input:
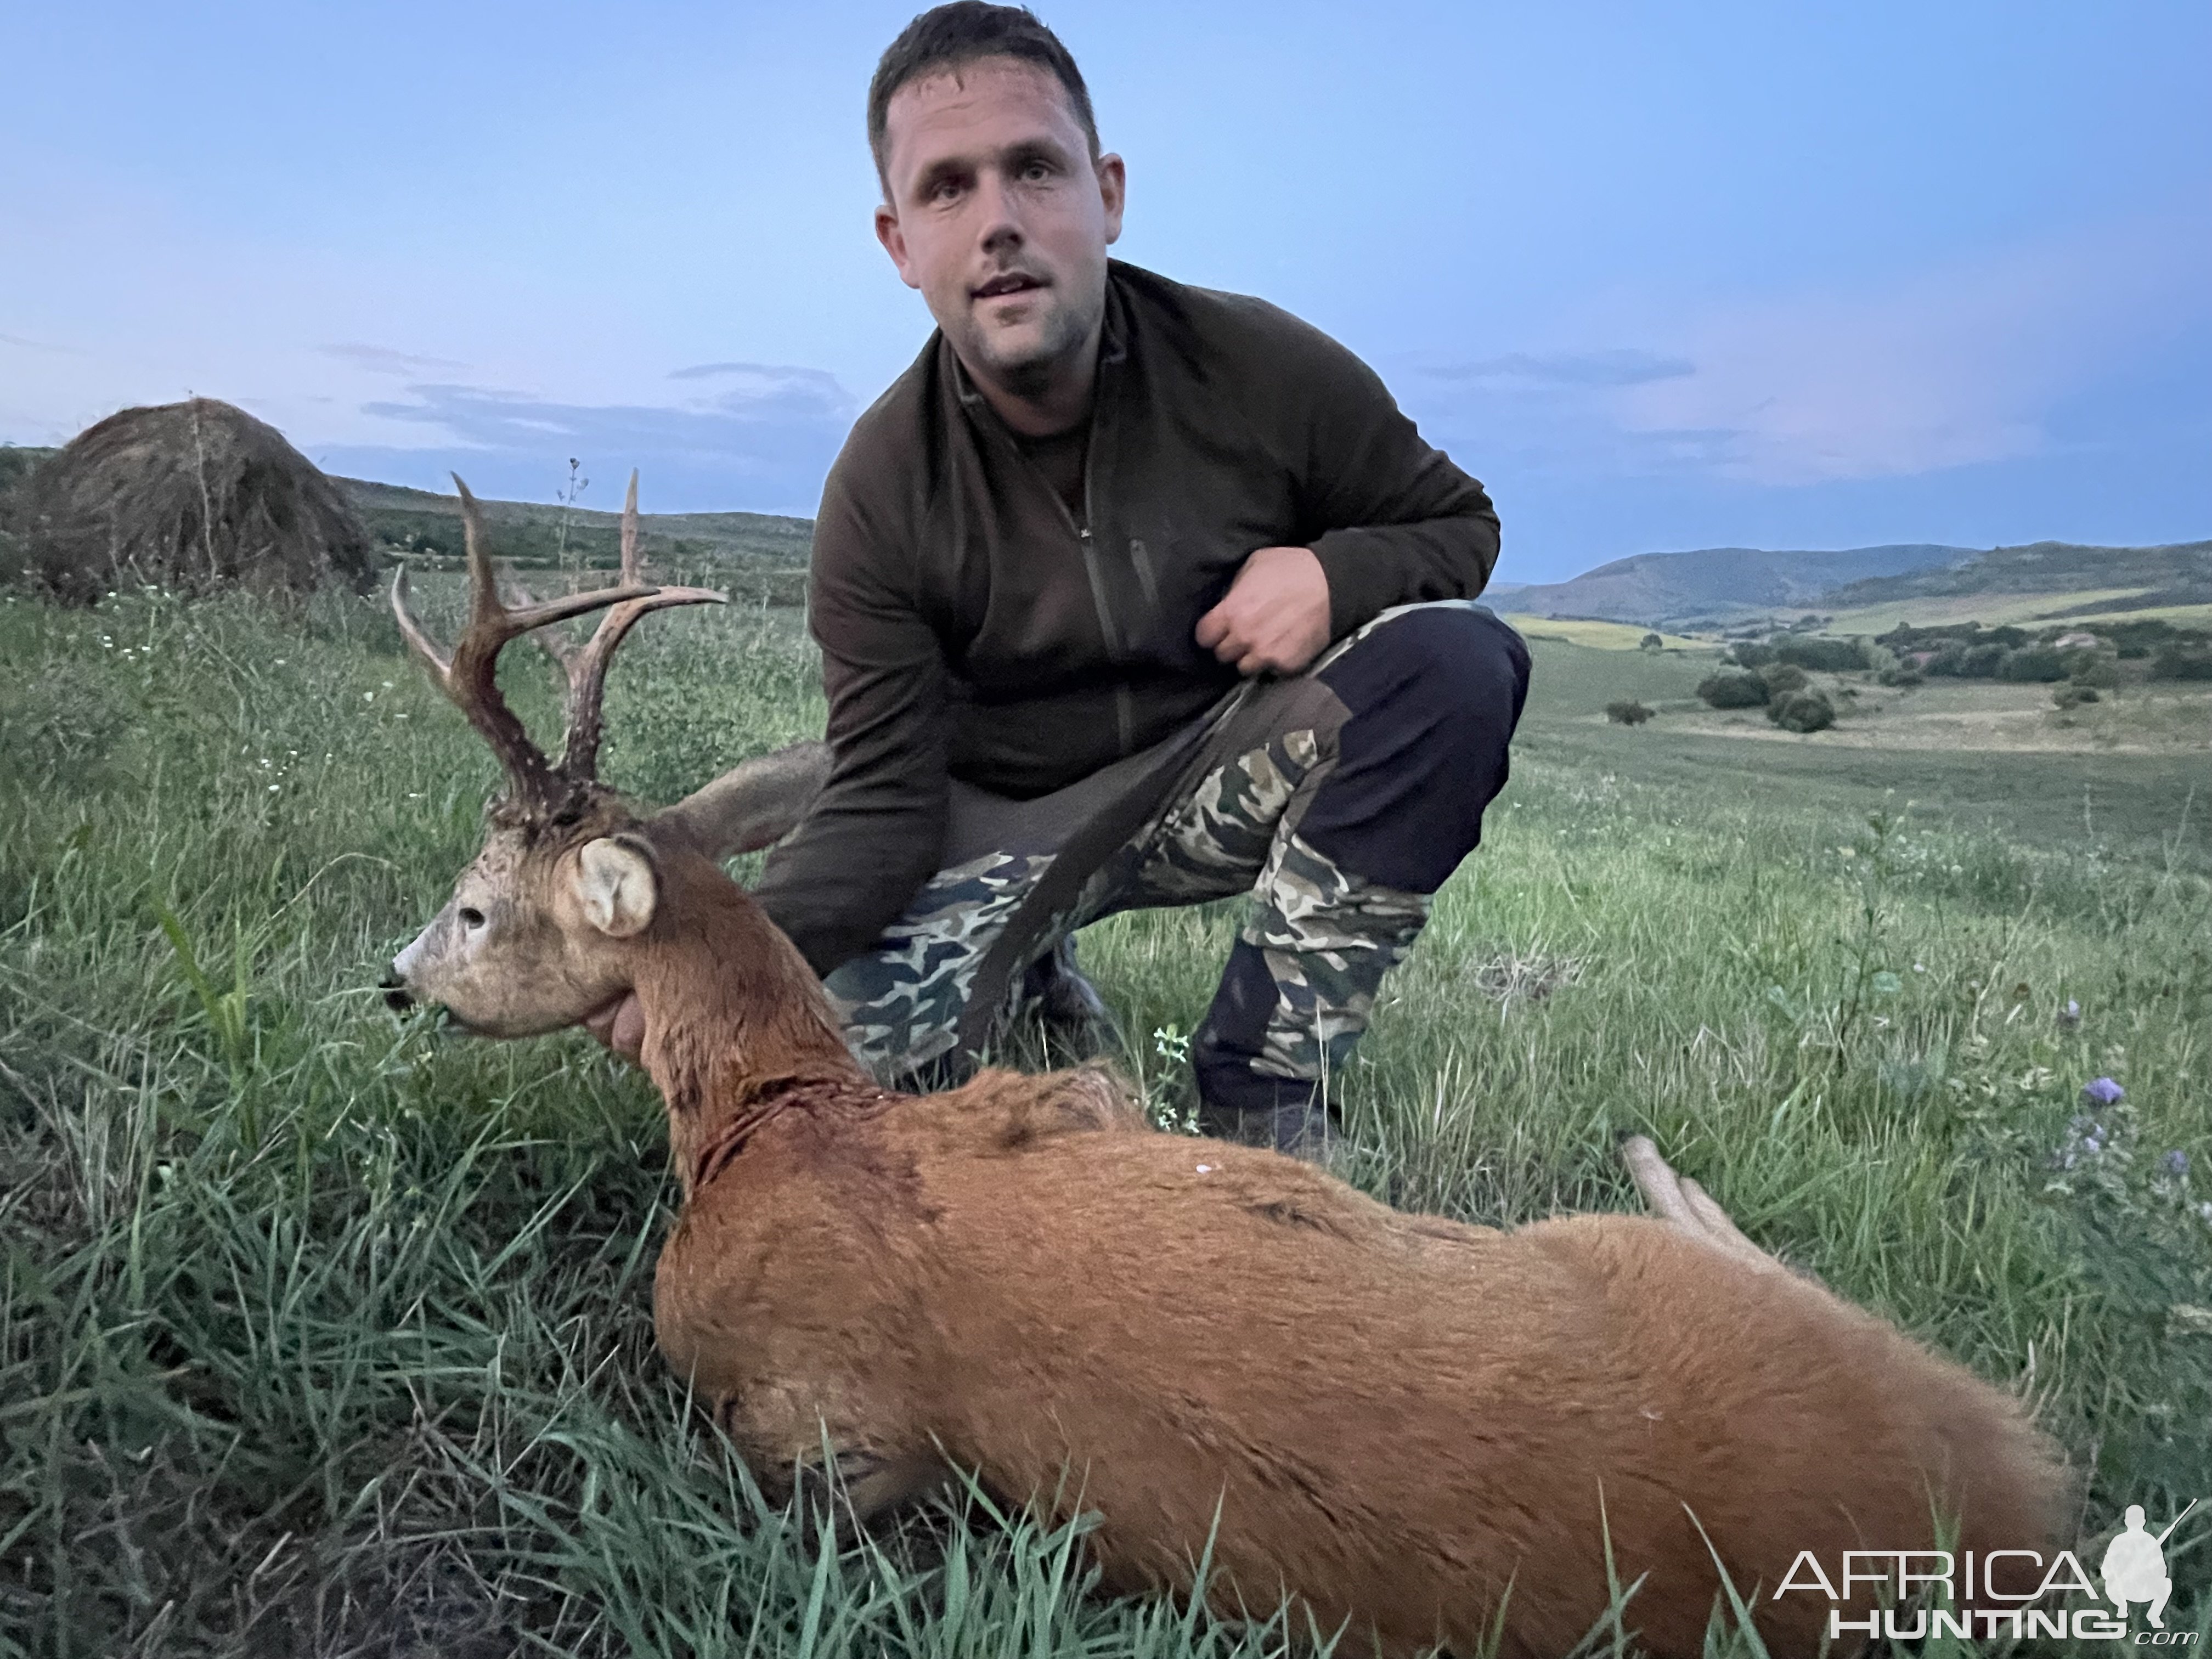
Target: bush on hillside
[(1782, 677), (2098, 670), (1803, 711), (1749, 654), (1828, 655), (2072, 693), (2182, 659), (2032, 663), (1903, 679), (1732, 690), (1630, 713), (2138, 639), (1968, 662), (1651, 642), (1964, 634)]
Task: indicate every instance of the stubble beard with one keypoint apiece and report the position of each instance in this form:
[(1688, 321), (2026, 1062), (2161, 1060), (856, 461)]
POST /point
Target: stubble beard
[(1028, 370)]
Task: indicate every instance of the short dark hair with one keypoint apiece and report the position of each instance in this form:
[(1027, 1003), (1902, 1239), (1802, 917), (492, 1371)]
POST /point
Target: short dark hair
[(948, 38)]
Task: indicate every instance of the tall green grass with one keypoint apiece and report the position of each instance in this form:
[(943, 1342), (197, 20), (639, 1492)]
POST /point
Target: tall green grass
[(321, 1336)]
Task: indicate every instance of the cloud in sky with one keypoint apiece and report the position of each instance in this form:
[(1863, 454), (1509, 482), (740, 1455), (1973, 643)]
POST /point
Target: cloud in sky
[(757, 373), (382, 359), (1956, 366), (1621, 366), (765, 440), (22, 343)]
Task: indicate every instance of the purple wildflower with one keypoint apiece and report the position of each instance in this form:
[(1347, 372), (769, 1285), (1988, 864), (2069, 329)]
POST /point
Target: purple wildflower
[(2070, 1015), (2104, 1092), (2175, 1163), (2086, 1140)]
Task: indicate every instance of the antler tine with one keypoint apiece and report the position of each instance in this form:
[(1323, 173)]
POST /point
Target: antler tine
[(436, 661), (588, 668), (558, 646), (467, 676), (551, 641), (487, 609), (629, 570)]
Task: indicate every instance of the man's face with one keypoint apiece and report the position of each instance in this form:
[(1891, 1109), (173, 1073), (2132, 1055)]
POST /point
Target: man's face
[(998, 214)]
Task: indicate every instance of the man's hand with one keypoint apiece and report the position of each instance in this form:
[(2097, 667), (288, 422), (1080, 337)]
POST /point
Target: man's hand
[(620, 1025), (1274, 618)]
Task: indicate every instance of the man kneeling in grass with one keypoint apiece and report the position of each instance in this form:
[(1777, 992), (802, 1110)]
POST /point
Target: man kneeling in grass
[(1128, 594)]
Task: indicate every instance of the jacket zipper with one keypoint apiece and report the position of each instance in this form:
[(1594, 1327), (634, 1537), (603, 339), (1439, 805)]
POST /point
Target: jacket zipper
[(1125, 708)]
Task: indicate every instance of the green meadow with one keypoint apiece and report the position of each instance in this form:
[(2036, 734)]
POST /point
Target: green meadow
[(322, 1335)]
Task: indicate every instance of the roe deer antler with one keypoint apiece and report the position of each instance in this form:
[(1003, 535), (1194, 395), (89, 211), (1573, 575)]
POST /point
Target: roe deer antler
[(585, 665), (468, 675)]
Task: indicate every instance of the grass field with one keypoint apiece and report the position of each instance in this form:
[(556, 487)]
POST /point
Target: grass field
[(2181, 616), (1990, 610), (2126, 780), (2084, 607), (1598, 636), (319, 1335)]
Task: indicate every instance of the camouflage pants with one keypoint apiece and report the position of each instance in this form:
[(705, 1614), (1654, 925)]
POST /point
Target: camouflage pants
[(1351, 746)]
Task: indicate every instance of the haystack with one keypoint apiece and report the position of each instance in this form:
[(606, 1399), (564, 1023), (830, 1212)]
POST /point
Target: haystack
[(194, 496)]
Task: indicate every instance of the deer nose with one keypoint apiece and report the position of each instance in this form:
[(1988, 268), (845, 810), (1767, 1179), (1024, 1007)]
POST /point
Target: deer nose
[(397, 996)]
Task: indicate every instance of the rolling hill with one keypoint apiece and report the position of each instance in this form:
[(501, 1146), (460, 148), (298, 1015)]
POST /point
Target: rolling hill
[(1718, 584), (764, 556), (530, 532), (2110, 579)]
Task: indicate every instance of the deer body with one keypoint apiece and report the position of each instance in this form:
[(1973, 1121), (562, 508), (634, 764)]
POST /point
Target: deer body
[(1397, 1416), (1401, 1422)]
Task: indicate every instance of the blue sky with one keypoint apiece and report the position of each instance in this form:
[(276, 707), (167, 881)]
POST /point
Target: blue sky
[(1798, 276)]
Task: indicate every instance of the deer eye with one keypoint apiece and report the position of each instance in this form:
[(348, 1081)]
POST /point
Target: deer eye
[(472, 918)]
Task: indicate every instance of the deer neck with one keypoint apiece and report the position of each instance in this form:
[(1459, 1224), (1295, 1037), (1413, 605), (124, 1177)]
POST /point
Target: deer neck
[(734, 1018)]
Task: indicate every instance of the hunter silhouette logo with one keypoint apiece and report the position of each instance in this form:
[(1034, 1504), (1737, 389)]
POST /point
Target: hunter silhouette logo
[(2133, 1568), (1935, 1593)]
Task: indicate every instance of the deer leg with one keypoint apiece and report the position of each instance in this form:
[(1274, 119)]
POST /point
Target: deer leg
[(1683, 1202), (857, 1483), (791, 1445), (875, 1482)]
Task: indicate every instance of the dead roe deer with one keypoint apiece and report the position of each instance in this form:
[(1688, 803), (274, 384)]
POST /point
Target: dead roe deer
[(1401, 1422)]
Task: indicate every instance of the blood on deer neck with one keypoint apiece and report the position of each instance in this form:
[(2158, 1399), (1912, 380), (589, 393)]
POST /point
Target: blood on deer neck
[(735, 1021)]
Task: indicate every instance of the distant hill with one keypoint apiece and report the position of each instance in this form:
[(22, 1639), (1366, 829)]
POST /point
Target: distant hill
[(754, 555), (530, 532), (16, 465), (2179, 573), (1718, 584)]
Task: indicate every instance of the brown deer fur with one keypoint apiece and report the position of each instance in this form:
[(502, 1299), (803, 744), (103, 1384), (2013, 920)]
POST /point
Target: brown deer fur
[(1398, 1421), (1396, 1416)]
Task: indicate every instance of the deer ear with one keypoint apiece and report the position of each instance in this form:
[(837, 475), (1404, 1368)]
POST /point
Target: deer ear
[(615, 883)]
